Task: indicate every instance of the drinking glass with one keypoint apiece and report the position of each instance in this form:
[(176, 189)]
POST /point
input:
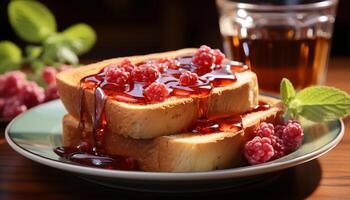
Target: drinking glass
[(289, 38)]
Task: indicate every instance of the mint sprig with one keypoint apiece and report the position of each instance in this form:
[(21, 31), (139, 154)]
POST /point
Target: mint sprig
[(34, 23), (315, 103)]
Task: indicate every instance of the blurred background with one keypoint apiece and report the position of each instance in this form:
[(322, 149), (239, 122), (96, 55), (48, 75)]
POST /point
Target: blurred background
[(128, 27)]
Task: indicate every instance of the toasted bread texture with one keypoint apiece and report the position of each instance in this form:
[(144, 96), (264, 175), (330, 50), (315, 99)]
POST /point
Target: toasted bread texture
[(185, 152), (160, 119)]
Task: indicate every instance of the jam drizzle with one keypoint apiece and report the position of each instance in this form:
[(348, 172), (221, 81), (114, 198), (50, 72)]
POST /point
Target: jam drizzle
[(95, 156), (230, 123)]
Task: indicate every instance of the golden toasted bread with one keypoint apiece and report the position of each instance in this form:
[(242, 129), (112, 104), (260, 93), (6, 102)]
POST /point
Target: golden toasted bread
[(185, 152), (160, 119)]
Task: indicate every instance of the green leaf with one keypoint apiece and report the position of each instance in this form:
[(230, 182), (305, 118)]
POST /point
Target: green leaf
[(10, 56), (31, 20), (33, 52), (287, 91), (321, 103), (80, 38), (37, 65), (49, 54), (66, 55)]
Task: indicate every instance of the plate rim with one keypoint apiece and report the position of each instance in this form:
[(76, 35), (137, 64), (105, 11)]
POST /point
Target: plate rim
[(169, 176)]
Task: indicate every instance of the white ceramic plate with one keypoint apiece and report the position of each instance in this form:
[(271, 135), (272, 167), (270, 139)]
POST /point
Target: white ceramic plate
[(35, 134)]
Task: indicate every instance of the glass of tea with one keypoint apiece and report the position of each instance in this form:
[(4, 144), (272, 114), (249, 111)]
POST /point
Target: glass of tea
[(279, 38)]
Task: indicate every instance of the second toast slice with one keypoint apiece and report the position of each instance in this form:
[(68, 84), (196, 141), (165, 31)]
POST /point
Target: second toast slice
[(185, 152)]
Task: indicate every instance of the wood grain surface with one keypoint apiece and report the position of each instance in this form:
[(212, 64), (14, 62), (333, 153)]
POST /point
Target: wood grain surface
[(325, 178)]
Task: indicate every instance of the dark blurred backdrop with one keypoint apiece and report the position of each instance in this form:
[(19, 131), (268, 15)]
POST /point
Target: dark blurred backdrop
[(127, 27)]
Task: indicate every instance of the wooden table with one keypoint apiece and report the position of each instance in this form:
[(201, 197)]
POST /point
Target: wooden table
[(325, 178)]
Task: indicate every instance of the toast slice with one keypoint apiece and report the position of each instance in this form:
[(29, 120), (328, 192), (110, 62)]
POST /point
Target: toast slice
[(185, 152), (166, 118)]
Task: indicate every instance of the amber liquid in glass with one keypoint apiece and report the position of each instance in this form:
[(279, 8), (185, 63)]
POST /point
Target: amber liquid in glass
[(303, 61)]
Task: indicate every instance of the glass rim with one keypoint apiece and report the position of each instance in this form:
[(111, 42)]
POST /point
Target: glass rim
[(308, 6)]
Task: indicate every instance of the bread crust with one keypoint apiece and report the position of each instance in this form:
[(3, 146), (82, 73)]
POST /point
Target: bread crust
[(185, 152), (154, 120)]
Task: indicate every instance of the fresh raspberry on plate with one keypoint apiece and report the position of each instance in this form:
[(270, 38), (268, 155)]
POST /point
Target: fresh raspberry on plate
[(156, 92), (49, 75), (51, 92), (188, 78), (258, 150), (292, 135), (278, 147), (32, 94), (12, 107), (279, 130), (11, 83), (265, 130)]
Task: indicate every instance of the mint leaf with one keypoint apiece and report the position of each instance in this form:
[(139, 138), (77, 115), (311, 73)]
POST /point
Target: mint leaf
[(33, 52), (57, 50), (320, 103), (31, 20), (79, 37), (287, 91), (10, 56), (66, 55), (37, 65)]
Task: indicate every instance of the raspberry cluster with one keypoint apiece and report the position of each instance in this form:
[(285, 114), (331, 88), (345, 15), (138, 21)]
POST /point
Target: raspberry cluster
[(117, 75), (126, 73), (156, 92), (205, 57), (188, 78), (271, 142), (148, 72), (167, 63), (17, 94)]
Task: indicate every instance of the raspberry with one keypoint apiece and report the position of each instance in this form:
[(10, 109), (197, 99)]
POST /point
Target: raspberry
[(51, 92), (49, 75), (32, 94), (219, 56), (11, 83), (13, 106), (292, 135), (145, 73), (127, 65), (169, 63), (188, 78), (162, 67), (278, 147), (117, 75), (265, 130), (258, 150), (279, 130), (137, 74), (156, 92), (18, 94), (204, 57)]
